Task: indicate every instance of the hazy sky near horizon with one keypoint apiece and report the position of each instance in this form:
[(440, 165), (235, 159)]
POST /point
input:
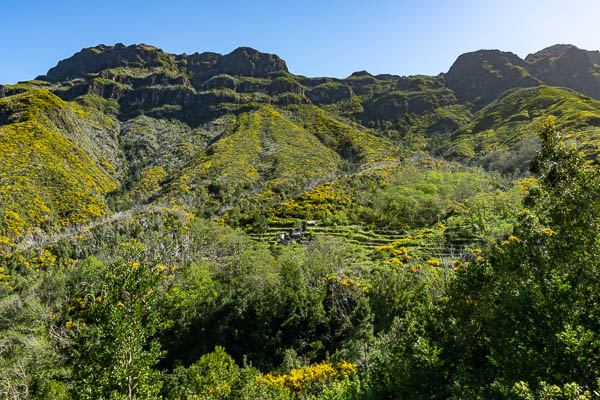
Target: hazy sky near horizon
[(316, 38)]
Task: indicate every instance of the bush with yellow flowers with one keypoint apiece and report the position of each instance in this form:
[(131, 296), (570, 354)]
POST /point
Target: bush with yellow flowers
[(307, 379)]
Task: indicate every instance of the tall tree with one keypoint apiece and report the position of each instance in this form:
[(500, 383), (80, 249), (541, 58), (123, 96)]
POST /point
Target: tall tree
[(113, 353), (527, 311)]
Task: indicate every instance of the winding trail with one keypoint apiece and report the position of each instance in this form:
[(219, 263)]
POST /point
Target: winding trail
[(36, 241)]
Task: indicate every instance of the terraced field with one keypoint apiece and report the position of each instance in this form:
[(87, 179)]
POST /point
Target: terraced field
[(443, 244)]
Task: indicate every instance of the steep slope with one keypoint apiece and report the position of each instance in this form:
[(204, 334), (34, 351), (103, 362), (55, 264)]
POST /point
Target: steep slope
[(266, 155), (482, 76), (352, 143), (230, 134), (505, 128), (47, 180), (568, 66)]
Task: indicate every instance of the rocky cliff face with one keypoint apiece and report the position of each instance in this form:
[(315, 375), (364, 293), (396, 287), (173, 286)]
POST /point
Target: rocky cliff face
[(144, 79), (99, 58), (595, 57), (134, 124), (482, 76), (243, 61), (567, 66)]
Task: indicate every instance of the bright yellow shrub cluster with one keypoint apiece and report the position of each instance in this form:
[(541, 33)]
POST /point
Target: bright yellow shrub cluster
[(325, 199), (297, 380), (45, 179), (149, 182), (398, 255), (526, 183), (4, 276), (344, 280)]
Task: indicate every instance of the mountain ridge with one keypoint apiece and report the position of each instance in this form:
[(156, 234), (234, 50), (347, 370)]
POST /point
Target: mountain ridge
[(163, 127)]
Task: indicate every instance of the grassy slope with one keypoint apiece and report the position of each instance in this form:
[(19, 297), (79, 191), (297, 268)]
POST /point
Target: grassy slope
[(267, 155), (46, 179), (518, 115), (261, 149), (255, 160), (352, 143)]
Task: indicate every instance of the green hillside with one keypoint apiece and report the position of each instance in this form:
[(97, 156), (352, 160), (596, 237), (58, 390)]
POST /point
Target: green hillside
[(48, 179), (208, 226), (260, 150), (235, 135), (502, 134)]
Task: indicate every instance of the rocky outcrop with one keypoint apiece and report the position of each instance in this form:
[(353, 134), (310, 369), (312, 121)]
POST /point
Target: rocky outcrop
[(220, 81), (199, 63), (93, 60), (149, 97), (393, 105), (360, 73), (245, 61), (328, 93), (252, 86), (158, 79), (289, 99), (419, 83), (559, 63), (574, 61), (285, 85), (96, 87), (388, 77), (550, 54), (482, 76), (361, 82), (567, 66)]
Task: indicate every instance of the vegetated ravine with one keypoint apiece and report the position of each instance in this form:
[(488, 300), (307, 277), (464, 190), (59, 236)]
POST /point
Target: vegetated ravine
[(282, 236)]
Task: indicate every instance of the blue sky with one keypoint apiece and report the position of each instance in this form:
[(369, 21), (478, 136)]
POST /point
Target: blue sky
[(316, 38)]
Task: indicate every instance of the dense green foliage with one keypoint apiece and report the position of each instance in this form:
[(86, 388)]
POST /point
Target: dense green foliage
[(521, 317), (390, 320), (110, 355), (215, 227), (502, 135)]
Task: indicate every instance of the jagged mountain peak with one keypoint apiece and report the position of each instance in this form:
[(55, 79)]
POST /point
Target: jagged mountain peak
[(551, 52), (574, 60), (488, 54), (569, 66), (566, 58)]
